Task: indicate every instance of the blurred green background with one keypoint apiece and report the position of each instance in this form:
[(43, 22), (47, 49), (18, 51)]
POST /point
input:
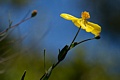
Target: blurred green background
[(23, 47)]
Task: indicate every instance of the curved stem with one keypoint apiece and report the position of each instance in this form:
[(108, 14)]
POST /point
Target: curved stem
[(85, 40)]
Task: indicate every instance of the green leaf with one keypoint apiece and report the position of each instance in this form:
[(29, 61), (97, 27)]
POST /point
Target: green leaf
[(23, 76), (73, 45), (47, 75), (63, 53)]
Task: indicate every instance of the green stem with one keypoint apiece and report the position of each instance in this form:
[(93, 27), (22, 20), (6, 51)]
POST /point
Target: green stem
[(85, 40), (44, 60), (74, 38), (68, 50)]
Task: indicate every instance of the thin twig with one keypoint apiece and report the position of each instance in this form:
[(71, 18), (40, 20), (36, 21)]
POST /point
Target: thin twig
[(14, 25)]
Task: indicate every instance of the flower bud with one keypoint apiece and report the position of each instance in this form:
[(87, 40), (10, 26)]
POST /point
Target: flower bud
[(97, 37), (34, 13)]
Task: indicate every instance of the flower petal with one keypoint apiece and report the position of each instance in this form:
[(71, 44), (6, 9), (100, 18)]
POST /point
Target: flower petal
[(97, 29), (77, 22), (82, 22), (89, 28), (68, 16)]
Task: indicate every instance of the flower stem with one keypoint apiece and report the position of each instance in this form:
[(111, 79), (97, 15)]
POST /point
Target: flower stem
[(85, 40), (74, 38), (54, 65)]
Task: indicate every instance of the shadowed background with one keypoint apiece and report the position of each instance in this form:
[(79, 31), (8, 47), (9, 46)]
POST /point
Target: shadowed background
[(23, 48)]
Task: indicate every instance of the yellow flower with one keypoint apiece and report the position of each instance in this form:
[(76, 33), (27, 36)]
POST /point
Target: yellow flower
[(83, 23)]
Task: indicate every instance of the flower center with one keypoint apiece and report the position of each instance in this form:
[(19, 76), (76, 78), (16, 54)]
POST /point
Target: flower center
[(85, 15)]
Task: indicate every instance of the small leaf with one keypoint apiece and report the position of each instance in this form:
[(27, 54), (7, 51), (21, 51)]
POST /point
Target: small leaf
[(63, 53), (47, 75), (3, 34), (73, 45), (23, 76)]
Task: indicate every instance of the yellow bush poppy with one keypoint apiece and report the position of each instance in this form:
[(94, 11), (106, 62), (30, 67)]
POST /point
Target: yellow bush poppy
[(83, 23)]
